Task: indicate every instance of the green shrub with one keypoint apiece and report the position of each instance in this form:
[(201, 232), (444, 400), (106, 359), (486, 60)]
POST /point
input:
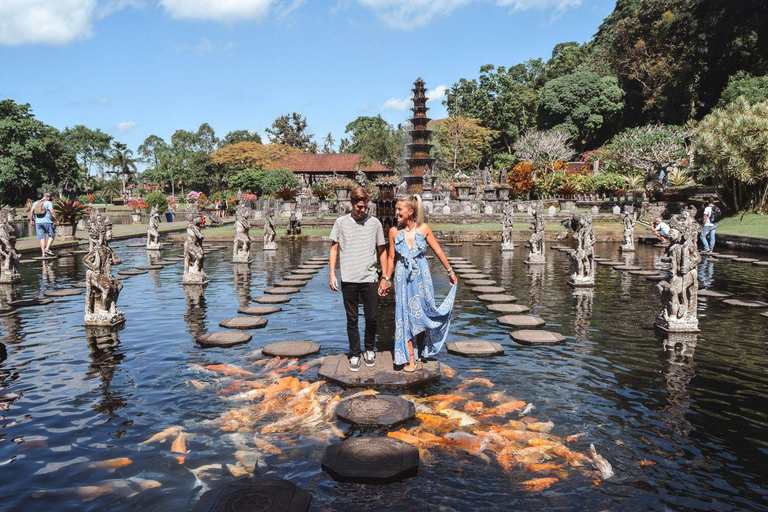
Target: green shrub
[(273, 180), (246, 180), (158, 199), (603, 183)]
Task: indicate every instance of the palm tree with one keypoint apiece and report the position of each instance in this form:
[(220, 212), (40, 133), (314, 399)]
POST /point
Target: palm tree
[(123, 163), (328, 144)]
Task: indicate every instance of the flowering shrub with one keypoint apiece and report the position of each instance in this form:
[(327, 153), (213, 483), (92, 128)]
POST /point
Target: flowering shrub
[(69, 212), (197, 197), (520, 178), (251, 197), (137, 204)]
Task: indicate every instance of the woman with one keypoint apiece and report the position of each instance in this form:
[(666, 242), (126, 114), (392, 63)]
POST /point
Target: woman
[(416, 315)]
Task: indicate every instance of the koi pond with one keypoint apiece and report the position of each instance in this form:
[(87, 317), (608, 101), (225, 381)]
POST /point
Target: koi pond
[(143, 418)]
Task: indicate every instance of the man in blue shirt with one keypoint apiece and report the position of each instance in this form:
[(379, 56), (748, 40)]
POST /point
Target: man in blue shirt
[(44, 217)]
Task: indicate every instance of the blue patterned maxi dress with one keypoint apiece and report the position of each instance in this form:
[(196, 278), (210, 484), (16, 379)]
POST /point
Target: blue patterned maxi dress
[(415, 310)]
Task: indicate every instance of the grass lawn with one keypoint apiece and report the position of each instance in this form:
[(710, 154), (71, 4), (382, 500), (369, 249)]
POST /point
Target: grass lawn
[(748, 224)]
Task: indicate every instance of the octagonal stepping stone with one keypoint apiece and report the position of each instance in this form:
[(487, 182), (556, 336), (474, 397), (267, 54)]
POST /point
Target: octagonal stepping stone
[(454, 244), (291, 284), (713, 293), (760, 263), (79, 285), (564, 249), (23, 303), (600, 259), (244, 322), (480, 282), (457, 259), (305, 271), (378, 411), (291, 349), (214, 247), (745, 260), (259, 310), (310, 266), (481, 244), (272, 299), (508, 308), (142, 244), (282, 291), (474, 348), (488, 289), (45, 258), (293, 277), (521, 321), (474, 276), (656, 278), (26, 261), (643, 273), (384, 374), (764, 314), (497, 297), (7, 312), (371, 460), (626, 267), (726, 256), (150, 267), (223, 339), (62, 293), (166, 263), (255, 495), (132, 272), (536, 337), (122, 278), (733, 302), (610, 263), (463, 265), (65, 254), (80, 252)]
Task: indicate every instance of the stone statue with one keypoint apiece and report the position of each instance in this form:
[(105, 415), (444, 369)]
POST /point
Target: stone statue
[(101, 288), (503, 175), (460, 176), (630, 218), (507, 226), (679, 295), (427, 179), (269, 232), (241, 251), (584, 256), (487, 176), (153, 233), (9, 258), (360, 178), (194, 255), (536, 241), (402, 189), (294, 225)]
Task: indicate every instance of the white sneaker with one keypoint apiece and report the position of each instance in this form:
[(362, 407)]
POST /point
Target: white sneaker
[(369, 358), (354, 364)]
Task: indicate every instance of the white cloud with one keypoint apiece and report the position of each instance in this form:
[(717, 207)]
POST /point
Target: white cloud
[(396, 104), (220, 10), (437, 93), (100, 101), (56, 22), (410, 14), (111, 6), (125, 126)]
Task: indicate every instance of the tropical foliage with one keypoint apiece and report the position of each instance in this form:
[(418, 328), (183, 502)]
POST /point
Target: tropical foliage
[(69, 212)]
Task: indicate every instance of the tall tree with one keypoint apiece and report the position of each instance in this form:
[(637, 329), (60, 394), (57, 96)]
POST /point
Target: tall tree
[(291, 130), (123, 164), (236, 136), (151, 149), (91, 146), (460, 142), (251, 155), (328, 144), (375, 139)]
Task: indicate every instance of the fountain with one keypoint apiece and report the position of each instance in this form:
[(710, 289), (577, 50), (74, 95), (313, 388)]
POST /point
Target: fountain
[(269, 232), (194, 255), (241, 250), (584, 256), (536, 241), (153, 235), (102, 288)]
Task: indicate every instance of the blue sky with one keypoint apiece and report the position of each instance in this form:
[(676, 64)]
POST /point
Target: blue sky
[(139, 67)]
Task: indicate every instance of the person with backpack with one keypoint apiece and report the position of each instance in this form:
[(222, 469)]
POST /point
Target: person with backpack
[(711, 216), (44, 217)]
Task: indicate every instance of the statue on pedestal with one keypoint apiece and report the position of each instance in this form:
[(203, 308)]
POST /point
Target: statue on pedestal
[(9, 258), (294, 225), (269, 232), (101, 288), (630, 218), (194, 255), (507, 226), (241, 250), (427, 179), (360, 178), (536, 241), (584, 257), (153, 233)]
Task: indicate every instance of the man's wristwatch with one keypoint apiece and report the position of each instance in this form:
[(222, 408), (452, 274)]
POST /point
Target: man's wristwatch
[(387, 279)]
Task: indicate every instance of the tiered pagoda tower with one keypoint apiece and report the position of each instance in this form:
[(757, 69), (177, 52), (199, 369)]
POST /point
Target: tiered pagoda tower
[(420, 147)]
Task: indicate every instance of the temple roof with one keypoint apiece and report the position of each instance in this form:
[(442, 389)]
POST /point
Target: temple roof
[(311, 163)]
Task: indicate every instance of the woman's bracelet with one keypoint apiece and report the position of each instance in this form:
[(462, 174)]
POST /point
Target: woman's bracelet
[(449, 270)]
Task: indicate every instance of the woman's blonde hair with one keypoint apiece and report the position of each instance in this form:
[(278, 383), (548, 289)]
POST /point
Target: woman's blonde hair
[(414, 203)]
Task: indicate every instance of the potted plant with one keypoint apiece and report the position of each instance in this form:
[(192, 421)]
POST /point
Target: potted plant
[(462, 189), (67, 214), (502, 191), (386, 186), (288, 195), (137, 205), (342, 187)]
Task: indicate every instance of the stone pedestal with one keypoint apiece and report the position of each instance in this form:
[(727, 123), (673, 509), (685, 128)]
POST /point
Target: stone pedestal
[(10, 277), (104, 318), (241, 257), (191, 276), (535, 259), (507, 246), (154, 247), (271, 246), (674, 324), (582, 281), (627, 248)]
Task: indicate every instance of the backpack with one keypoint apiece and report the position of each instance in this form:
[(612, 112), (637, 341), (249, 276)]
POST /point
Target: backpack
[(39, 208), (716, 214)]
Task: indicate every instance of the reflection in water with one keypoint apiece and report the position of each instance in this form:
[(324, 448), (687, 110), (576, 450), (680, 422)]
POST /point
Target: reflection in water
[(195, 314), (679, 348), (8, 293), (270, 263), (507, 257), (629, 258), (47, 274), (105, 358), (153, 256), (581, 320), (243, 283), (535, 284), (706, 273)]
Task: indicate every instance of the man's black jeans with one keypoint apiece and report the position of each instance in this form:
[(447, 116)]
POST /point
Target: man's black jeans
[(353, 294)]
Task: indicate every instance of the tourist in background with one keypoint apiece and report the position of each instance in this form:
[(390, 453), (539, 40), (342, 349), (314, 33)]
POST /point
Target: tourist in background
[(358, 241), (711, 216), (661, 230), (44, 218), (416, 315)]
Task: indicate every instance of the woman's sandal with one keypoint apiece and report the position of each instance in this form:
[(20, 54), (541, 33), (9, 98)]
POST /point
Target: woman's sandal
[(410, 367)]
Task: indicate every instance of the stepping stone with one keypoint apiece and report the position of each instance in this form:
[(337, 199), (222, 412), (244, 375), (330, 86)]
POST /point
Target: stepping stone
[(282, 291), (23, 303), (531, 337), (272, 299), (136, 245), (371, 460), (62, 293), (601, 259), (292, 277), (336, 369), (497, 297), (45, 258), (214, 247), (457, 259), (150, 267), (429, 257), (223, 339), (26, 261), (291, 349), (79, 285), (375, 411), (488, 289), (121, 278), (565, 249), (79, 252), (176, 258), (745, 260), (519, 321), (610, 263), (626, 267), (462, 265), (479, 282), (726, 256), (643, 273), (713, 293), (474, 276), (255, 494), (4, 312), (165, 263), (132, 272), (508, 308), (656, 278), (65, 254), (732, 302), (259, 310), (290, 284), (481, 244), (244, 322), (760, 263), (764, 314), (474, 348), (454, 244), (311, 267), (306, 271)]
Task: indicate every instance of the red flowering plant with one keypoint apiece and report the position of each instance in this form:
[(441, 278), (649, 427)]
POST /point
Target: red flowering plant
[(520, 178), (137, 205), (69, 212)]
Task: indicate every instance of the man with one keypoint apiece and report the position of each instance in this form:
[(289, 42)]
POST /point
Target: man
[(43, 216), (708, 231), (358, 240), (661, 230)]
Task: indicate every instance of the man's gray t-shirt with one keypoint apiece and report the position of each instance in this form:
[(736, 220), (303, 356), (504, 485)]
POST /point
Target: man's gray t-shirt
[(357, 247)]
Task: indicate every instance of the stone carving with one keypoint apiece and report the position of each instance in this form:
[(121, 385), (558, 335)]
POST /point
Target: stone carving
[(269, 232), (9, 258), (584, 256), (552, 211), (427, 179), (595, 210), (194, 256), (630, 218), (507, 227), (536, 241), (679, 296), (616, 210), (153, 233), (294, 225), (101, 288), (241, 251), (360, 178), (402, 189), (487, 176)]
